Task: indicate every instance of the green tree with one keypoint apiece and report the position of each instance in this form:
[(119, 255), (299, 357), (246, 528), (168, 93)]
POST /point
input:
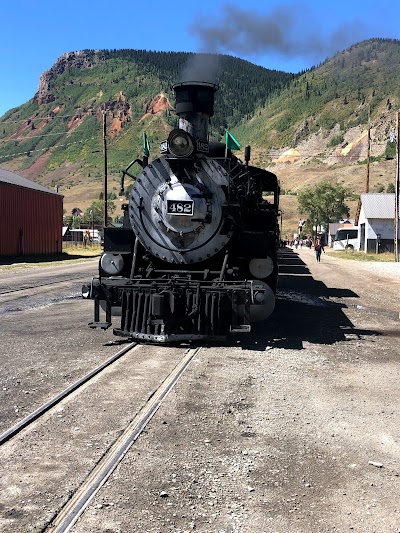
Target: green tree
[(390, 150), (391, 188), (324, 203), (95, 212)]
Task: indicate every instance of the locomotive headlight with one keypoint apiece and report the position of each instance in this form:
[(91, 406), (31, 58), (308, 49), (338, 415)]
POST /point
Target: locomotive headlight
[(112, 264), (259, 297), (180, 143), (263, 301)]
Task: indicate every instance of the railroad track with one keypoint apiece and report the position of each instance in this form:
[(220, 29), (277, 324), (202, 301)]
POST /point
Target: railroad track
[(38, 294), (67, 515), (99, 475), (10, 290), (40, 411)]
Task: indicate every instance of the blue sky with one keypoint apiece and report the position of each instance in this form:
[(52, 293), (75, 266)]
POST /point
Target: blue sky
[(282, 35)]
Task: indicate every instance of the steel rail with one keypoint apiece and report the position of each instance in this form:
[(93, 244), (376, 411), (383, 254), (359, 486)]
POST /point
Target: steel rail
[(11, 432), (99, 475), (28, 287)]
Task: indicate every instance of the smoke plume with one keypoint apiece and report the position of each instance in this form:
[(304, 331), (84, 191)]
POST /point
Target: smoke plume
[(201, 67), (289, 31)]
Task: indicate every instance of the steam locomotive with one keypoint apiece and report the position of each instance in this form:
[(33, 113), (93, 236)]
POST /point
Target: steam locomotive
[(196, 257)]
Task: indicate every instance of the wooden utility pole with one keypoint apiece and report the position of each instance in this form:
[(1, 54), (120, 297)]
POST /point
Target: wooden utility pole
[(396, 194), (368, 149), (105, 167)]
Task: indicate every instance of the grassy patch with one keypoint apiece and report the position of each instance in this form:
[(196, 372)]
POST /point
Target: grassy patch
[(361, 256), (78, 250), (72, 254)]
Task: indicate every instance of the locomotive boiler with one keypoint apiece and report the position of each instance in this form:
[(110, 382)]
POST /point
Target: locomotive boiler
[(196, 257)]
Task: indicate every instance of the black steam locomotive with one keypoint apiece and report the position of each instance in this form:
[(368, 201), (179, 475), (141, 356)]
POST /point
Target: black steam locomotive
[(196, 257)]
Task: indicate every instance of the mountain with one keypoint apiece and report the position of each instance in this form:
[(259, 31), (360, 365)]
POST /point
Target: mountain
[(305, 127), (57, 137), (317, 128), (333, 98)]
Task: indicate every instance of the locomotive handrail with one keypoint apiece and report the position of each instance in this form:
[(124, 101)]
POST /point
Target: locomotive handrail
[(221, 276)]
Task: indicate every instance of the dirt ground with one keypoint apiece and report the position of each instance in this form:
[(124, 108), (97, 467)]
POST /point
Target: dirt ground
[(295, 429)]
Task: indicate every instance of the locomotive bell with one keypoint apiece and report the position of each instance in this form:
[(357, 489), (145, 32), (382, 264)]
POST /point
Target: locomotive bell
[(194, 104)]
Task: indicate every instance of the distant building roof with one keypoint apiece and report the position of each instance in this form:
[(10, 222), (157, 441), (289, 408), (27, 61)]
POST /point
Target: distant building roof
[(334, 226), (378, 205), (14, 179)]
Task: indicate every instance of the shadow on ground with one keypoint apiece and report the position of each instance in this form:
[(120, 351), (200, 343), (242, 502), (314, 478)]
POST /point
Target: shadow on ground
[(42, 258), (305, 311)]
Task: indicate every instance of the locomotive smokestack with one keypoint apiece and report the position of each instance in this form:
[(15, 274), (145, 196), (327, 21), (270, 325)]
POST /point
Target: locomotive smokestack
[(194, 104)]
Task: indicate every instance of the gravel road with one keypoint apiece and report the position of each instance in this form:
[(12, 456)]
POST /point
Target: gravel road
[(295, 429)]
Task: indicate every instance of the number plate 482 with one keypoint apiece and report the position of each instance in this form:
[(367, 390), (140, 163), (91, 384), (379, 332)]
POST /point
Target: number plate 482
[(180, 207)]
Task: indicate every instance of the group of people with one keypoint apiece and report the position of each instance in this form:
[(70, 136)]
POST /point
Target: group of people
[(318, 247), (300, 242)]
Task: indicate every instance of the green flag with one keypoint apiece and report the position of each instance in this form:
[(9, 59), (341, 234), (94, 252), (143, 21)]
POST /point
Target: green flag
[(146, 145), (231, 142)]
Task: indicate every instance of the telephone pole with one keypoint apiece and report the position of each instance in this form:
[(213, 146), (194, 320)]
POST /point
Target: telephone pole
[(396, 194), (105, 167), (368, 149)]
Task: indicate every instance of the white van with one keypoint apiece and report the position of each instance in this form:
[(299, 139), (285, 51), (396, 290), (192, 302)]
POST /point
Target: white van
[(346, 239)]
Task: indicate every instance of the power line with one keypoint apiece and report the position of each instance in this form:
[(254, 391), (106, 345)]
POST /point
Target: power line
[(10, 140), (47, 148), (272, 154), (56, 116), (34, 119)]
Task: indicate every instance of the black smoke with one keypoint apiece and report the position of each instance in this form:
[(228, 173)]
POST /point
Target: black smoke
[(290, 31), (201, 67)]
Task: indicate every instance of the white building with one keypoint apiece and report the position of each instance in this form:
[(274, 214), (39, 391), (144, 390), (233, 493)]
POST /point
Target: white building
[(375, 220)]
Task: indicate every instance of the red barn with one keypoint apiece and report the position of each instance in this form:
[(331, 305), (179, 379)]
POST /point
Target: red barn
[(31, 217)]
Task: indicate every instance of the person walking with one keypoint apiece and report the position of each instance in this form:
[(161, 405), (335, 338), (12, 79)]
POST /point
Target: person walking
[(318, 250)]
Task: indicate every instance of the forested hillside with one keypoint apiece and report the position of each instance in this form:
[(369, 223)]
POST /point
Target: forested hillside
[(305, 127), (63, 120), (341, 93)]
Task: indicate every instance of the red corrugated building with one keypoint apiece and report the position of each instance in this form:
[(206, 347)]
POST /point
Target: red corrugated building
[(31, 217)]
